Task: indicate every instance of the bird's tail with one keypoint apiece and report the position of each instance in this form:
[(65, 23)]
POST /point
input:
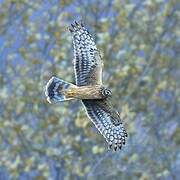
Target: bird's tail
[(55, 90)]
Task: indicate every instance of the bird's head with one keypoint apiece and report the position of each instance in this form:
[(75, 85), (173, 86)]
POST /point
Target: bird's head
[(106, 92)]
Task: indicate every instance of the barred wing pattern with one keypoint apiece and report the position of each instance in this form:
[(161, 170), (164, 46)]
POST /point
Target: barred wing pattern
[(87, 60), (107, 121)]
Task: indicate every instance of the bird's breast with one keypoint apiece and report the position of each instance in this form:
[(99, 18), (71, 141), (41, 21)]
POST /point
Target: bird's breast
[(85, 92)]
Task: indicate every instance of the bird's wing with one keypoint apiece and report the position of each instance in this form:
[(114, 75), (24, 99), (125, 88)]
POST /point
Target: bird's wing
[(107, 121), (87, 59)]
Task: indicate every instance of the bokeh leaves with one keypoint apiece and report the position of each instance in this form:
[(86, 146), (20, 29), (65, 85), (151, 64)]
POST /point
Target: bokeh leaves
[(139, 45)]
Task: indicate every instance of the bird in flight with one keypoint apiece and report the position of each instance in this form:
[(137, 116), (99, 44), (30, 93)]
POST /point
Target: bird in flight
[(89, 88)]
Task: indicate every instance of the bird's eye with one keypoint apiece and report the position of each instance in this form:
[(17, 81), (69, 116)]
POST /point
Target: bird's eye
[(106, 92)]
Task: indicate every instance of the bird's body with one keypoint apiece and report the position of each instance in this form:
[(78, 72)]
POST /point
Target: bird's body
[(89, 88), (67, 91), (85, 92)]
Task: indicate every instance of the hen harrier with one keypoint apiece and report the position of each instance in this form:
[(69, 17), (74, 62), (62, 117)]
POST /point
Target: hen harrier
[(89, 88)]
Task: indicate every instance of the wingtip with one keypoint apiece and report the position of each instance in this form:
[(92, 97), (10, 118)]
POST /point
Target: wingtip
[(81, 23), (71, 30), (116, 145), (72, 25), (76, 23)]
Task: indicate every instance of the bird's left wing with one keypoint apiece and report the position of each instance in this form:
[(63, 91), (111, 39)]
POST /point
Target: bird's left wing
[(107, 121), (87, 59)]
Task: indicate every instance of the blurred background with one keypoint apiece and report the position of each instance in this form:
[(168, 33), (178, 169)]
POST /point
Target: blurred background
[(140, 44)]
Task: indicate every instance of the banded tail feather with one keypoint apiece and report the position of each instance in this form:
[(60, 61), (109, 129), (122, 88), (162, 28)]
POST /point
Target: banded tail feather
[(56, 90)]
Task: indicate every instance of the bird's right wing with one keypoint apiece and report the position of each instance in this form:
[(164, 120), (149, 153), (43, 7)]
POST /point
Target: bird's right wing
[(87, 59), (107, 121)]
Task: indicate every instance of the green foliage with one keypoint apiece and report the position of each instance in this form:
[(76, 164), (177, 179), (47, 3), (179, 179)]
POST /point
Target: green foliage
[(139, 46)]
